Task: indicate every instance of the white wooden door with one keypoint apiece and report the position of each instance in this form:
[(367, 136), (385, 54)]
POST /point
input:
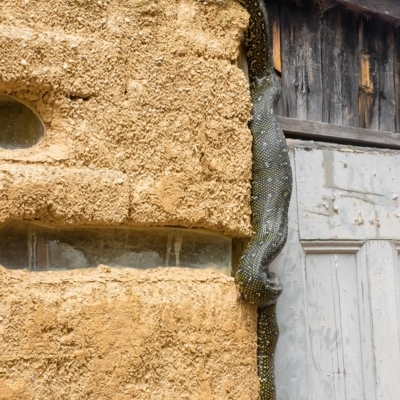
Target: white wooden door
[(339, 314)]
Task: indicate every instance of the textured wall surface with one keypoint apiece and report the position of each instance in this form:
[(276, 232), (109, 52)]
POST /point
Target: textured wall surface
[(145, 89), (125, 334), (146, 116)]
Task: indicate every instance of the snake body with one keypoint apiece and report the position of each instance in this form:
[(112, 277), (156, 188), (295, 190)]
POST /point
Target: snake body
[(270, 194)]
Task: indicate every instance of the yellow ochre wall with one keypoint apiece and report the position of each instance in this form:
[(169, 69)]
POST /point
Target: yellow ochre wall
[(146, 113), (125, 334)]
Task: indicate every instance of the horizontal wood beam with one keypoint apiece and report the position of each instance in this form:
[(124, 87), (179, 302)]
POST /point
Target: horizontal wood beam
[(331, 246), (320, 131), (387, 9)]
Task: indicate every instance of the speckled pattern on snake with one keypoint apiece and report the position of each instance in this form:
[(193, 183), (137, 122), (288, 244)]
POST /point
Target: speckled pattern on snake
[(270, 195)]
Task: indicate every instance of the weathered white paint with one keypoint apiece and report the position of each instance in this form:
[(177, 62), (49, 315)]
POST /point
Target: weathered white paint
[(369, 372), (381, 264), (331, 246), (348, 194), (334, 326), (292, 373), (339, 314)]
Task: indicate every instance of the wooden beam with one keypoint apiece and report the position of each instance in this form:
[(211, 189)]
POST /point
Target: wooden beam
[(397, 78), (387, 9), (331, 246), (320, 131)]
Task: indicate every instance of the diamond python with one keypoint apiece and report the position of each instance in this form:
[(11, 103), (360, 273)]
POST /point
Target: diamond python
[(271, 189)]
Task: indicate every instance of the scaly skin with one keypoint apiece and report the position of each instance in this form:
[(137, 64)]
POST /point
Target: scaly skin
[(270, 196)]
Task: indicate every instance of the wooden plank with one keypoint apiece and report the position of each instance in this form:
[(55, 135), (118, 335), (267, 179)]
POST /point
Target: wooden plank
[(397, 77), (366, 325), (331, 35), (332, 246), (347, 298), (340, 67), (397, 279), (276, 44), (349, 68), (291, 356), (385, 325), (387, 106), (377, 97), (288, 99), (386, 9), (368, 107), (334, 326), (313, 130), (367, 92), (301, 58), (275, 25), (324, 337), (273, 18)]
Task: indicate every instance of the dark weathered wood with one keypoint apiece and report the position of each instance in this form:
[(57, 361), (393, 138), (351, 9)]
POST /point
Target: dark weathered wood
[(340, 67), (386, 9), (368, 106), (274, 21), (301, 59), (273, 18), (331, 35), (397, 78), (294, 128), (288, 101), (377, 98), (387, 106)]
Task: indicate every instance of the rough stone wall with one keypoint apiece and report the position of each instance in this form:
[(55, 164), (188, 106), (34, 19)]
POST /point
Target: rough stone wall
[(125, 334), (145, 113)]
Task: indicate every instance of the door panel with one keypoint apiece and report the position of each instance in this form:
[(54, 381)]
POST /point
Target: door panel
[(380, 264), (292, 372), (347, 193), (334, 329), (339, 314)]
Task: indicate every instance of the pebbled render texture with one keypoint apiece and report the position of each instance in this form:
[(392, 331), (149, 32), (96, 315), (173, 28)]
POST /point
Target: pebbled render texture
[(161, 334), (146, 89), (72, 195), (146, 124)]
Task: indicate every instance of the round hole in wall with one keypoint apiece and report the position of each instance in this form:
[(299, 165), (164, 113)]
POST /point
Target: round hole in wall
[(20, 127)]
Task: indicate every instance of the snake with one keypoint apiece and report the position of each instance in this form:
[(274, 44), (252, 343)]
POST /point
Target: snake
[(271, 188)]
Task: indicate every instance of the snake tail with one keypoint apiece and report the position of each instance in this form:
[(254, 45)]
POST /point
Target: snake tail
[(268, 333), (271, 189)]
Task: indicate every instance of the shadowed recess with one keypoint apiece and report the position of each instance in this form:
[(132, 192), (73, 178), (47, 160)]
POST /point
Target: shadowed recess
[(20, 127), (38, 248)]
